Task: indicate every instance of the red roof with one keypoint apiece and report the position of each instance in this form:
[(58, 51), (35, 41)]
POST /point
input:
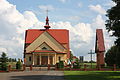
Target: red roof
[(99, 41), (61, 35)]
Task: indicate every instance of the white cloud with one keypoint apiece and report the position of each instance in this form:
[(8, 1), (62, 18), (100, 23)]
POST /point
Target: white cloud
[(110, 4), (98, 22), (97, 8), (3, 50), (46, 7), (79, 34), (13, 25)]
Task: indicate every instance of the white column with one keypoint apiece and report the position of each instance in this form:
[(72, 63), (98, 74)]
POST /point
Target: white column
[(32, 58), (40, 58), (55, 58), (48, 59)]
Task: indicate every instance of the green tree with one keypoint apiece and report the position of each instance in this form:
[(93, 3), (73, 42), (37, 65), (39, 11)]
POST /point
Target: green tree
[(112, 56), (113, 22), (71, 56), (4, 60), (18, 65)]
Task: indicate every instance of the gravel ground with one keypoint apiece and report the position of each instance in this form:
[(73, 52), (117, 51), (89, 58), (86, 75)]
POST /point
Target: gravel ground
[(33, 75)]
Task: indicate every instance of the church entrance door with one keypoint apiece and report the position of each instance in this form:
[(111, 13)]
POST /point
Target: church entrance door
[(51, 60), (38, 60), (44, 60)]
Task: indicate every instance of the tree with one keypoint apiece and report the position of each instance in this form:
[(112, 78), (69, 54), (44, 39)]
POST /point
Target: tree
[(4, 60), (18, 64), (112, 56), (113, 22), (71, 56)]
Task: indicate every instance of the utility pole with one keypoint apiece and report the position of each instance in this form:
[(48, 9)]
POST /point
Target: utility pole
[(91, 56)]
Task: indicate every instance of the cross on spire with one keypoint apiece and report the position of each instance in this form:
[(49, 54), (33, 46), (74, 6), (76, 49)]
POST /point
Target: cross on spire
[(47, 20), (47, 12)]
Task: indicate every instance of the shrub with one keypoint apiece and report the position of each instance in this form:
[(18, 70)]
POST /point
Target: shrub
[(18, 65), (61, 65), (4, 66), (3, 62), (76, 65)]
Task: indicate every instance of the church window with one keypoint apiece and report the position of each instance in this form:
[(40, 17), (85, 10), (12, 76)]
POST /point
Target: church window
[(44, 48), (59, 58), (30, 58)]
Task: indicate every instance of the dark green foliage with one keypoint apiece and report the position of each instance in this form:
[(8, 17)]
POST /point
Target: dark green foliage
[(3, 61), (18, 65), (113, 22), (71, 57), (4, 66), (76, 65), (61, 65), (12, 60), (113, 56)]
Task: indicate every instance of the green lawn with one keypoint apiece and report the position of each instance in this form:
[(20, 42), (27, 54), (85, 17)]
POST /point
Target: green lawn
[(92, 75)]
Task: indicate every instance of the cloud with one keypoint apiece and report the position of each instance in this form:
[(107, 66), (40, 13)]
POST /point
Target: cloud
[(3, 50), (79, 34), (110, 4), (46, 7), (13, 25), (97, 8), (99, 22)]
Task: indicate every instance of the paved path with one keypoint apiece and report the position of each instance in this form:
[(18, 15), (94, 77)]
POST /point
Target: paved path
[(33, 75)]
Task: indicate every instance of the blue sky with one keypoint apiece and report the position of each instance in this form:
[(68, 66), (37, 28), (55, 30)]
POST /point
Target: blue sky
[(62, 9), (80, 17)]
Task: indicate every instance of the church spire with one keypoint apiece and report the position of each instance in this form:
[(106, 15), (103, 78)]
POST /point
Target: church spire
[(47, 21)]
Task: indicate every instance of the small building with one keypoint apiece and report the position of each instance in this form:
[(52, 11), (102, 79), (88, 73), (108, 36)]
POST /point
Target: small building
[(100, 47), (46, 46)]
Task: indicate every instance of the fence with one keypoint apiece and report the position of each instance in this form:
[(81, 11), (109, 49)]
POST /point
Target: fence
[(90, 68), (68, 68)]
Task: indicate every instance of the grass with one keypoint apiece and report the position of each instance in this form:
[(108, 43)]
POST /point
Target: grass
[(92, 75), (88, 65)]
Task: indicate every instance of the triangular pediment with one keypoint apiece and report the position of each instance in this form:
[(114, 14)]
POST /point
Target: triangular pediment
[(47, 39), (44, 46)]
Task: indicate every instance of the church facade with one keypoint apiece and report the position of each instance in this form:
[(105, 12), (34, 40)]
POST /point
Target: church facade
[(46, 46)]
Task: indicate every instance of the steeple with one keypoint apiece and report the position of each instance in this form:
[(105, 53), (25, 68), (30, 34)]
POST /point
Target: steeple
[(47, 21)]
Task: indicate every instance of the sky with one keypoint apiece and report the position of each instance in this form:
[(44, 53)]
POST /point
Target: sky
[(80, 17)]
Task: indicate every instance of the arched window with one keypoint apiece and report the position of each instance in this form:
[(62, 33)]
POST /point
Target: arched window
[(29, 58), (59, 58)]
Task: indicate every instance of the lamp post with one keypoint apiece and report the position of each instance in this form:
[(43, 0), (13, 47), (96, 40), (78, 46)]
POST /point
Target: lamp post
[(91, 56)]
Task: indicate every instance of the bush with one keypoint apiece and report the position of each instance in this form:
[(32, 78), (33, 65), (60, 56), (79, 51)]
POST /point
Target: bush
[(4, 66), (76, 65), (3, 62), (18, 65), (61, 65)]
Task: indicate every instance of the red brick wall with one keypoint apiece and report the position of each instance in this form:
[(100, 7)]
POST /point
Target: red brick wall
[(100, 58)]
